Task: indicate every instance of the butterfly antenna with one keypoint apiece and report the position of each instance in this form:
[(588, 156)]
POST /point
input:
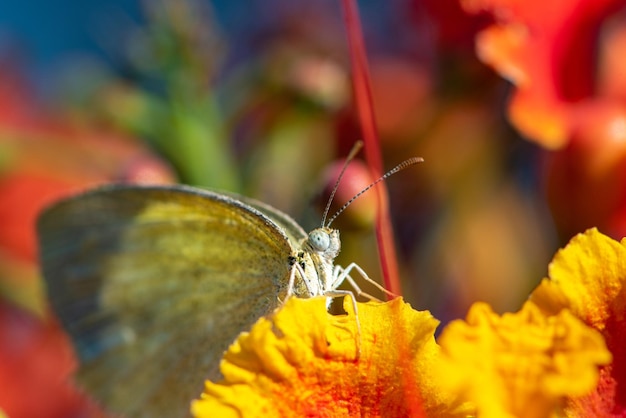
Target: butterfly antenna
[(404, 164), (355, 149)]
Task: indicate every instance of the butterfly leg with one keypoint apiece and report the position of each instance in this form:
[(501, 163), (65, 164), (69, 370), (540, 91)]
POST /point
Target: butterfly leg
[(346, 293), (292, 280), (340, 274)]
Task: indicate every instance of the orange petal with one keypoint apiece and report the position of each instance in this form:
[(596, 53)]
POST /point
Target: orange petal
[(304, 361)]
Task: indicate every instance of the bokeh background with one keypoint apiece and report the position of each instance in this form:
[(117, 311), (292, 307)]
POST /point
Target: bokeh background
[(517, 110)]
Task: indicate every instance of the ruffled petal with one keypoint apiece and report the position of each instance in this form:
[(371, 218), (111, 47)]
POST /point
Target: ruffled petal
[(587, 277), (304, 361), (520, 364)]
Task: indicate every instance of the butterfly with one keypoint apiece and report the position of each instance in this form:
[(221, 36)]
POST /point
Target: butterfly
[(153, 283)]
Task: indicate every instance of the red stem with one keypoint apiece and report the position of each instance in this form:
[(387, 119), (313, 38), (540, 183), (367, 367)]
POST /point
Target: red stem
[(365, 109)]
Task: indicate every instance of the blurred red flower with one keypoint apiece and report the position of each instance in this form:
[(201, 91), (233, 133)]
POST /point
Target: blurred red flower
[(42, 158), (563, 58)]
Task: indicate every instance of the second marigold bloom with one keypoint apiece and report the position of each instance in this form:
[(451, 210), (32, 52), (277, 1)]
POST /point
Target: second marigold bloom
[(520, 364), (587, 277)]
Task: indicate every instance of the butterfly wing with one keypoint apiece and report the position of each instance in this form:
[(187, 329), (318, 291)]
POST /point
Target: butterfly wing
[(153, 284), (294, 232)]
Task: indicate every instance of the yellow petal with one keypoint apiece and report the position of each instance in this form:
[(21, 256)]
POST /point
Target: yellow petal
[(586, 277), (305, 362), (521, 364)]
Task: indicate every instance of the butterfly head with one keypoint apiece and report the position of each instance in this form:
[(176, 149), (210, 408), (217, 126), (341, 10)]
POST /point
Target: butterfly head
[(324, 241)]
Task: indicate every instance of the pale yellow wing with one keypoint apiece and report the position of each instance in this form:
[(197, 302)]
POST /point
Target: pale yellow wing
[(294, 232), (154, 283)]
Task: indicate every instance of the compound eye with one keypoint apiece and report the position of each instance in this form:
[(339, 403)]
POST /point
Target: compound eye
[(320, 240)]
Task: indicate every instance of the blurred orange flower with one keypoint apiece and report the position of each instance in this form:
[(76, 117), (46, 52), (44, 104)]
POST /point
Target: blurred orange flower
[(548, 51), (565, 60)]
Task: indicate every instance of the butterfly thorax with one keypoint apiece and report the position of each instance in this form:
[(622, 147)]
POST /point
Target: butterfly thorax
[(316, 255)]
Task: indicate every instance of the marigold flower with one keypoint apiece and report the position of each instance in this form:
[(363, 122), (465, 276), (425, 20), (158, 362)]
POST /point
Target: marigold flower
[(587, 277), (304, 362), (549, 359), (520, 364)]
